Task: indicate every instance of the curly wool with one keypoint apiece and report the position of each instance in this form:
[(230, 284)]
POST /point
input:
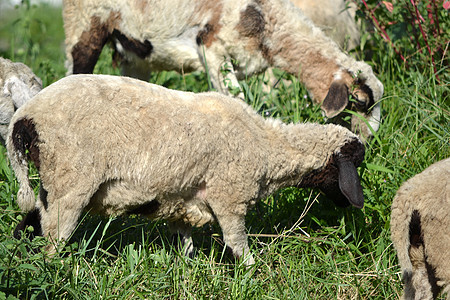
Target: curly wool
[(115, 145), (229, 39)]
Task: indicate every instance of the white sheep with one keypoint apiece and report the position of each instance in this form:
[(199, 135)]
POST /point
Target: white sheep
[(336, 18), (18, 84), (231, 39), (420, 231), (115, 145)]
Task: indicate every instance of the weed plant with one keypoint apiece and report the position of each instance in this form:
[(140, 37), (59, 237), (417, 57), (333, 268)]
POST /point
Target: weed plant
[(305, 247)]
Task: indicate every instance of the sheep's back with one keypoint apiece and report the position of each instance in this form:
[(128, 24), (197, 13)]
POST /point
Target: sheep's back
[(118, 126)]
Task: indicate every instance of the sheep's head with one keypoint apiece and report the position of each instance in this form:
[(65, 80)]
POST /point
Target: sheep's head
[(18, 84), (338, 179), (359, 91)]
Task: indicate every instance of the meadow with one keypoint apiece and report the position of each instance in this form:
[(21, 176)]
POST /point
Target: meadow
[(304, 246)]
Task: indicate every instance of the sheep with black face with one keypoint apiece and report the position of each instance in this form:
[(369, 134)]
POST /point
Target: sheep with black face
[(117, 145)]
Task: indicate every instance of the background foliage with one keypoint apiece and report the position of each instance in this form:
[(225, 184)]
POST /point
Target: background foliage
[(305, 247)]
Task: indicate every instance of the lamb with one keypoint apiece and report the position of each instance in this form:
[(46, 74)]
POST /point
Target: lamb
[(229, 39), (115, 145), (18, 85), (420, 231)]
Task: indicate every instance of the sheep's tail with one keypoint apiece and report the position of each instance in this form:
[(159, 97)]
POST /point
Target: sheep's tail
[(22, 147), (419, 283), (408, 238)]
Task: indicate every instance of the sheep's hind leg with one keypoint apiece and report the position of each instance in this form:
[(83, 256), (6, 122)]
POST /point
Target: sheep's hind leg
[(82, 56), (183, 235), (60, 217)]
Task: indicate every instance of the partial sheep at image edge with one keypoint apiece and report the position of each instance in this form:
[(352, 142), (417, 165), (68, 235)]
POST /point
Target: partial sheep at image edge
[(420, 232), (18, 84)]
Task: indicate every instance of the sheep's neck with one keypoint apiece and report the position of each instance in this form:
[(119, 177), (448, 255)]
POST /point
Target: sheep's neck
[(300, 49), (292, 160), (316, 72)]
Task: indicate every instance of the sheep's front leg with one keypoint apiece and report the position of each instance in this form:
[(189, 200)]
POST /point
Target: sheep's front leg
[(228, 78), (232, 222), (184, 232), (235, 236), (219, 68), (82, 56)]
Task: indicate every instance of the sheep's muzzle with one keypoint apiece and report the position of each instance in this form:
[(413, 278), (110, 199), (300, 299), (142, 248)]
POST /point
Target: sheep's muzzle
[(339, 178)]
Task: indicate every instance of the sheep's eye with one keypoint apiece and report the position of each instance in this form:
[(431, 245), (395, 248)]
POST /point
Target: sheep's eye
[(359, 102)]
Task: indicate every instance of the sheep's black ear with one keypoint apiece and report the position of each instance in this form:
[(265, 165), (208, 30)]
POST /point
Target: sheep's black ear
[(336, 99), (349, 183)]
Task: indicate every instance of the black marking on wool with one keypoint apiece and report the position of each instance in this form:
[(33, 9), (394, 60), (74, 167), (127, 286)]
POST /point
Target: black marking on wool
[(146, 209), (406, 276), (141, 49), (208, 34), (252, 25), (33, 218), (415, 230), (416, 240), (26, 140), (204, 36), (43, 196)]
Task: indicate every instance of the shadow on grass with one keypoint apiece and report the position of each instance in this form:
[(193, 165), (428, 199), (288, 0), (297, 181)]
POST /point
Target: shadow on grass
[(269, 219), (96, 235)]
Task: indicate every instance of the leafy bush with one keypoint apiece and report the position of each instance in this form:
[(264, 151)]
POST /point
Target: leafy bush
[(416, 30)]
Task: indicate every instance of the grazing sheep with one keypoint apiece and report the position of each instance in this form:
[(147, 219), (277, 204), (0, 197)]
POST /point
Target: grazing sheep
[(18, 85), (117, 145), (335, 17), (232, 39), (420, 231)]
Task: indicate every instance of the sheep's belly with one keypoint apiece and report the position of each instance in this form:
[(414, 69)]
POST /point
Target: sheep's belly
[(117, 197), (193, 211), (176, 54)]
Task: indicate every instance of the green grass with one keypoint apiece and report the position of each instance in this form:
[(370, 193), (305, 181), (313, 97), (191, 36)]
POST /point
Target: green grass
[(305, 247)]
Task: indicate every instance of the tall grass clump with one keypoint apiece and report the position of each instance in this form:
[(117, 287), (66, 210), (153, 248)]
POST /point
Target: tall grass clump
[(33, 34), (305, 247)]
